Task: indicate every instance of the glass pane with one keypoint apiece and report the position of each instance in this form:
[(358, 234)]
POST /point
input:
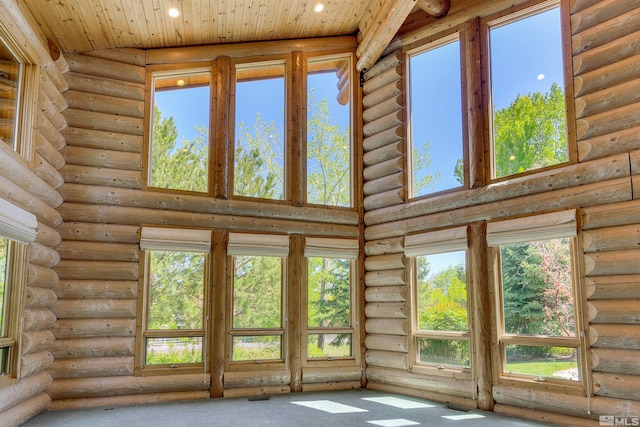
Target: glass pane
[(537, 288), (442, 292), (544, 362), (260, 124), (180, 143), (257, 348), (162, 351), (5, 358), (176, 290), (436, 120), (443, 352), (329, 132), (9, 90), (257, 292), (4, 251), (527, 92), (329, 345), (329, 293)]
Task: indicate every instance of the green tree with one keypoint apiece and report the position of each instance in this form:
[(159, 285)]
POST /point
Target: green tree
[(420, 162), (257, 292)]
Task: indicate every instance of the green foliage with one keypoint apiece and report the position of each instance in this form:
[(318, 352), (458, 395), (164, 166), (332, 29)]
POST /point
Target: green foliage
[(541, 368), (4, 247), (420, 162), (174, 350), (257, 348), (444, 352), (257, 292)]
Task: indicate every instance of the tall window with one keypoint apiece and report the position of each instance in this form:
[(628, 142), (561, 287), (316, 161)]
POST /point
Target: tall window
[(257, 326), (179, 147), (329, 149), (17, 230), (439, 278), (330, 297), (10, 72), (435, 118), (259, 130), (527, 100), (539, 330), (174, 312)]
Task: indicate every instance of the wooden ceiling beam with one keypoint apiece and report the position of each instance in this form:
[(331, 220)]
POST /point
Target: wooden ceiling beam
[(388, 20)]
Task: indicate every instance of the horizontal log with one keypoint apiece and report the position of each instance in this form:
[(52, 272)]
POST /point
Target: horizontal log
[(23, 390), (87, 101), (131, 56), (413, 380), (615, 336), (104, 86), (23, 412), (103, 121), (606, 32), (135, 216), (113, 233), (102, 158), (384, 184), (91, 138), (48, 129), (79, 250), (77, 348), (35, 341), (613, 287), (390, 167), (42, 255), (634, 159), (607, 76), (389, 91), (570, 178), (46, 172), (331, 374), (611, 238), (256, 391), (39, 297), (97, 270), (65, 388), (154, 200), (612, 263), (34, 363), (616, 385), (44, 212), (47, 236), (331, 386), (383, 123), (388, 106), (49, 110), (104, 68), (110, 401), (615, 120), (614, 311), (382, 80), (389, 61), (36, 319), (384, 246), (90, 289), (96, 328), (387, 359), (383, 200), (92, 367), (600, 12), (389, 310), (608, 99), (586, 195), (541, 400), (386, 294), (386, 326), (48, 152), (387, 342), (95, 308), (53, 86), (382, 154), (543, 417), (257, 378), (91, 175), (382, 139), (617, 50), (615, 361), (42, 277), (386, 278), (385, 262)]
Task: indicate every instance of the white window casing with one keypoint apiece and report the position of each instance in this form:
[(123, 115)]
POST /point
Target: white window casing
[(331, 248), (175, 239), (553, 225), (16, 223), (258, 244), (435, 242)]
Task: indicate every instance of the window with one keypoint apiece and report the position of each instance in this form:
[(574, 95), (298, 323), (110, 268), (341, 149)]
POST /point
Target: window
[(539, 328), (174, 313), (257, 326), (10, 81), (17, 230), (435, 118), (527, 99), (179, 151), (330, 297), (329, 150), (439, 293), (259, 131)]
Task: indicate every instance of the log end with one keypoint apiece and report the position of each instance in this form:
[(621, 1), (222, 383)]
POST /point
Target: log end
[(589, 264), (592, 311), (582, 126)]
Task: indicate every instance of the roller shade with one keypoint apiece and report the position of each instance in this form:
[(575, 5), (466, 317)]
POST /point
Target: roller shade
[(17, 224), (436, 242), (553, 225), (175, 239), (331, 248), (258, 244)]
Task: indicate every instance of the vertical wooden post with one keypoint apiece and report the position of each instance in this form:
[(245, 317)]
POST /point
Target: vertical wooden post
[(481, 315), (294, 313), (217, 324), (297, 134), (221, 143), (473, 115)]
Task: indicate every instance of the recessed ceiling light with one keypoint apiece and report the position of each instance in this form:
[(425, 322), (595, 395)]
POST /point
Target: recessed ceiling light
[(174, 13), (319, 7), (180, 82)]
